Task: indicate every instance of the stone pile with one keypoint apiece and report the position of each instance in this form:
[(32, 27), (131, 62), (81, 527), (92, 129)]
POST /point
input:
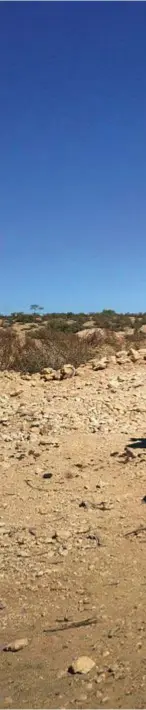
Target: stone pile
[(121, 357)]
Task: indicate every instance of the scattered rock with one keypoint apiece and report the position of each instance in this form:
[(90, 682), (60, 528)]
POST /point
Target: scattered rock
[(49, 377), (15, 393), (67, 371), (142, 353), (143, 329), (122, 357), (100, 364), (2, 606), (57, 375), (113, 385), (134, 354), (47, 371), (113, 359), (83, 665), (130, 453), (16, 645), (63, 551)]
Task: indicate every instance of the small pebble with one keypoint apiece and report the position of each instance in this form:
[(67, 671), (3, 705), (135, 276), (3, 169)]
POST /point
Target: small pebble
[(47, 475)]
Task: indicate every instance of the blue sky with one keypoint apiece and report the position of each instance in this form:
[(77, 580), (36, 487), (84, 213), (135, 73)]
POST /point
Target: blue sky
[(73, 155)]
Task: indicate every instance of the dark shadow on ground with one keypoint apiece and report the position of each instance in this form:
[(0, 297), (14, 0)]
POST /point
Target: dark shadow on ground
[(137, 443)]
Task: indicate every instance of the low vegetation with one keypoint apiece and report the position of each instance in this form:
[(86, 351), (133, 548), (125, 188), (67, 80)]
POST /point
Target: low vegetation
[(30, 342)]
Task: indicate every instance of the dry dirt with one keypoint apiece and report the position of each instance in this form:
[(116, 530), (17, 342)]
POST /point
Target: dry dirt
[(69, 554)]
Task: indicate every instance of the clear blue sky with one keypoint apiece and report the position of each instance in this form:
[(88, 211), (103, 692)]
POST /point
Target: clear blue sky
[(73, 155)]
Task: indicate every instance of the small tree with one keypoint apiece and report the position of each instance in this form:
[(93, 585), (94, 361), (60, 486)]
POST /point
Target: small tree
[(36, 309), (108, 312)]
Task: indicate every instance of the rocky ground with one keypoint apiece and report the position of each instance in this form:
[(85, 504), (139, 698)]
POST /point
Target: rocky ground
[(73, 534)]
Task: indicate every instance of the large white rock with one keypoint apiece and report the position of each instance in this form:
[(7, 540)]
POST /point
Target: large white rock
[(83, 664), (67, 371)]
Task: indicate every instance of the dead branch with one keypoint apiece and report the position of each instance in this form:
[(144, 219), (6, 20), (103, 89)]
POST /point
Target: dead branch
[(73, 625)]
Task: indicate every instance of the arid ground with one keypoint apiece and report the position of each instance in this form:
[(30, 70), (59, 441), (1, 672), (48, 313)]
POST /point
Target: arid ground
[(73, 542)]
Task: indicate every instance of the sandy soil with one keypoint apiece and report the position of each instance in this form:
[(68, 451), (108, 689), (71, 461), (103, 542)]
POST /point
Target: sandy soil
[(72, 553)]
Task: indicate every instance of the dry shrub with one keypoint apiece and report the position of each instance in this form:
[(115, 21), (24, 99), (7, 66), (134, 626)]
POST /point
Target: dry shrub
[(41, 350), (137, 340), (47, 347), (57, 348), (8, 346)]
